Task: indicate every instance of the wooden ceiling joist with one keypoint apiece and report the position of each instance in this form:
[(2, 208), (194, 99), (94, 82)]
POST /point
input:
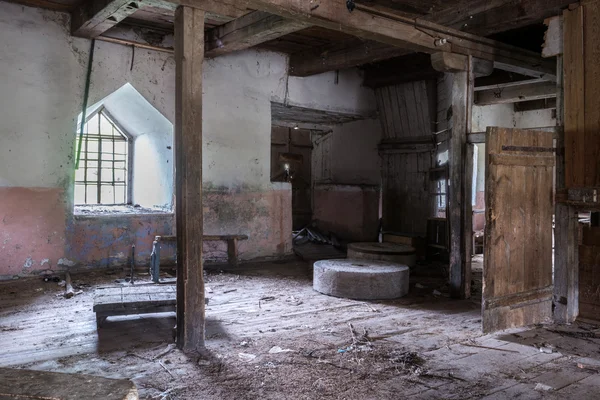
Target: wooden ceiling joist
[(514, 94), (96, 17), (247, 31), (329, 58), (341, 56), (394, 30)]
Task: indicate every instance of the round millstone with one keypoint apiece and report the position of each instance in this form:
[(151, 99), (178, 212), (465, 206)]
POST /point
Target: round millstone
[(392, 252), (361, 279)]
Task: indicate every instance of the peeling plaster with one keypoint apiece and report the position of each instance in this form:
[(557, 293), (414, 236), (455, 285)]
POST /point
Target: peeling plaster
[(28, 263), (66, 262)]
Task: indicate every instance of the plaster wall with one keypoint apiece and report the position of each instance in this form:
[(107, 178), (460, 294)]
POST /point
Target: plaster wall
[(43, 68)]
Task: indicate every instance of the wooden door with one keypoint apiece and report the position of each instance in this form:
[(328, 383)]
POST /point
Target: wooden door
[(517, 274)]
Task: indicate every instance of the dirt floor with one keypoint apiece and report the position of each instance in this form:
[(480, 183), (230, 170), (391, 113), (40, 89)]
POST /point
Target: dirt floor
[(270, 336)]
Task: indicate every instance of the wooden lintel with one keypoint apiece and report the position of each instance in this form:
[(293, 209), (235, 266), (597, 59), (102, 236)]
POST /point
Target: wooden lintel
[(96, 17), (513, 94), (391, 29), (247, 31), (189, 57)]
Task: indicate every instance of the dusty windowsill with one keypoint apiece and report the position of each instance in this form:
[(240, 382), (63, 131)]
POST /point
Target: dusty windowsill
[(102, 210)]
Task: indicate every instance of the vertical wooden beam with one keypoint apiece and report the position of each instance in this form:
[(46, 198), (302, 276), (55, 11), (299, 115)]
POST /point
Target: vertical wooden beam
[(189, 56), (467, 237), (566, 254), (459, 209), (458, 142)]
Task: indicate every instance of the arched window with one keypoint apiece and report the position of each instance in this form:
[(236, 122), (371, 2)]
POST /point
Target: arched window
[(104, 173)]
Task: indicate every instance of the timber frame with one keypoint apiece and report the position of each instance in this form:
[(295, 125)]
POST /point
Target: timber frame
[(453, 51)]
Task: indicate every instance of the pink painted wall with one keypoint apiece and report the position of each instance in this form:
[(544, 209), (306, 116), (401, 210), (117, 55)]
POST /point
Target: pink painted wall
[(32, 229), (349, 211)]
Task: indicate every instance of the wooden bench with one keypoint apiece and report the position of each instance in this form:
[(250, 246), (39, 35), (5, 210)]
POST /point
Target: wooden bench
[(130, 300), (232, 249)]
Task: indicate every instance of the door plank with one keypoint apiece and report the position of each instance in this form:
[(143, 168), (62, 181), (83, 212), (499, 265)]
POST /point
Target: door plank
[(517, 287)]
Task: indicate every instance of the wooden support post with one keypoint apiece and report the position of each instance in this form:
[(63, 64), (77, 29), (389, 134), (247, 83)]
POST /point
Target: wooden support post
[(189, 56), (460, 123), (232, 251), (566, 254)]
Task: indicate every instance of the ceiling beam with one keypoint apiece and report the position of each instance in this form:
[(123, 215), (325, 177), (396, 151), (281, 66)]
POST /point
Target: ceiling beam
[(394, 30), (486, 17), (514, 94), (505, 85), (247, 31), (341, 56), (93, 18), (468, 16)]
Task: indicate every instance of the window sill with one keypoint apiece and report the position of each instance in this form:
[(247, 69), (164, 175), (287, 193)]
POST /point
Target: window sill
[(118, 210)]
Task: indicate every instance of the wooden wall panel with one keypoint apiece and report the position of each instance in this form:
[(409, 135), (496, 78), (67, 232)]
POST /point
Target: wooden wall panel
[(581, 102), (589, 274), (406, 111)]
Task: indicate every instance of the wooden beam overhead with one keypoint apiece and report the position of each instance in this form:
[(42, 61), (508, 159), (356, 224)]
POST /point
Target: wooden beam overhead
[(341, 56), (96, 17), (247, 31), (513, 94), (330, 58), (391, 29), (505, 85)]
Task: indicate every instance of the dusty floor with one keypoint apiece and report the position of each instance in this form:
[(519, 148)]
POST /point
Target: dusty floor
[(270, 336)]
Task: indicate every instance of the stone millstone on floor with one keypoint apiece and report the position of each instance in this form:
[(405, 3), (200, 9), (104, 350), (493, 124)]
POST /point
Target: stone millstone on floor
[(392, 252), (361, 279)]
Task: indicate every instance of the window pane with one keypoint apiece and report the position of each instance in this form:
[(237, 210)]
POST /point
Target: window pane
[(121, 147), (92, 145), (92, 194), (120, 175), (90, 156), (105, 127), (107, 147), (80, 174), (107, 195), (107, 175), (120, 194), (79, 194), (92, 126), (105, 160)]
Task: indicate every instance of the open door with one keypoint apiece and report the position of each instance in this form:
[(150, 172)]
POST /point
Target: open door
[(517, 273)]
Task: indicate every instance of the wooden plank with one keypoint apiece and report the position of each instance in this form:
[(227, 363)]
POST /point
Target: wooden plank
[(589, 287), (248, 31), (189, 57), (590, 236), (29, 384), (522, 160), (96, 17), (337, 56), (591, 62), (454, 213), (518, 252), (513, 94), (574, 98)]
